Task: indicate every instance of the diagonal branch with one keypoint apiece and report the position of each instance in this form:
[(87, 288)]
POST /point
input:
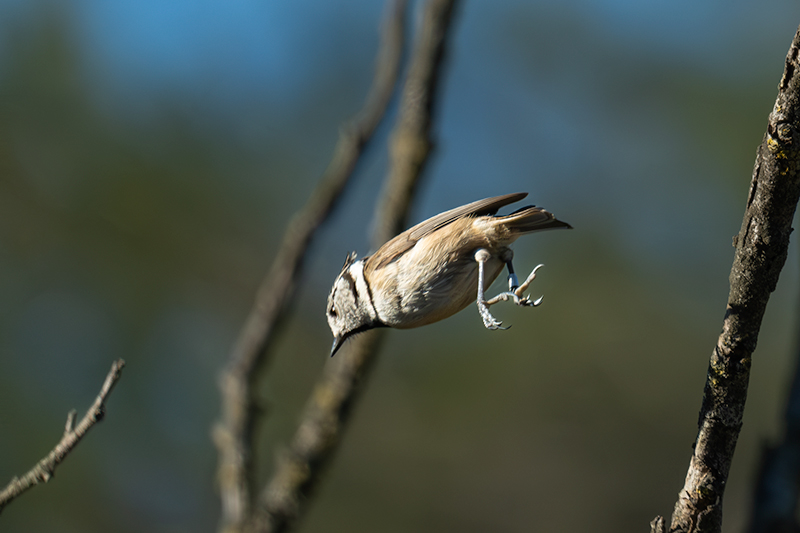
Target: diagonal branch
[(761, 249), (233, 432), (323, 421), (46, 468)]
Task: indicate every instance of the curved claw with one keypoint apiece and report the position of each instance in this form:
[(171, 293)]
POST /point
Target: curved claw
[(525, 284), (489, 321), (495, 326), (527, 302), (523, 301)]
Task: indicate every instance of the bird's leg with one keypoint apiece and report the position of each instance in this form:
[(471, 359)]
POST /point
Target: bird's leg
[(525, 284), (515, 290), (482, 256), (513, 282)]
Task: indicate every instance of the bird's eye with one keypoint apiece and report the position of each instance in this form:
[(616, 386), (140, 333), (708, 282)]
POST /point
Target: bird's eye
[(332, 311)]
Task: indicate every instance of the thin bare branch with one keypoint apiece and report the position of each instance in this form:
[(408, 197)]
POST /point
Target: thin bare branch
[(761, 249), (298, 469), (45, 469), (233, 432)]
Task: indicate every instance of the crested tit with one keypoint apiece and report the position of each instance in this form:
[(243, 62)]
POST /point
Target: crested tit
[(435, 269)]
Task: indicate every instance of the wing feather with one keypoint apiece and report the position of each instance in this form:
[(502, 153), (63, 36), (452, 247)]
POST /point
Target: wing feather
[(400, 244)]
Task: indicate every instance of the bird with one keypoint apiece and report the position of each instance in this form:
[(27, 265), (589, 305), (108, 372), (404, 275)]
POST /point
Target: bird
[(435, 269)]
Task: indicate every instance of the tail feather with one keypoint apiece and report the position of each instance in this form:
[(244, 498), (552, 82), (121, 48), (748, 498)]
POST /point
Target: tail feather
[(532, 218)]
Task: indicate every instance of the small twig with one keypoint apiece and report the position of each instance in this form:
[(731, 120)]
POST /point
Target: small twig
[(325, 415), (233, 432), (45, 469), (761, 249)]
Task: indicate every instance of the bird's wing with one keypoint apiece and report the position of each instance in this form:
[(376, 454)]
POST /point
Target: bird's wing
[(400, 244)]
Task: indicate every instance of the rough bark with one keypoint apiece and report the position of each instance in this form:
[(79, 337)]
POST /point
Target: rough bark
[(761, 249)]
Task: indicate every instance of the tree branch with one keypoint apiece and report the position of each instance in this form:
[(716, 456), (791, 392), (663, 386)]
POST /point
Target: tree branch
[(761, 249), (233, 432), (298, 469), (45, 469)]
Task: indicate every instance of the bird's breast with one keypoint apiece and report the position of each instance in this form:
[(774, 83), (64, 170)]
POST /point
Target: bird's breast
[(428, 284)]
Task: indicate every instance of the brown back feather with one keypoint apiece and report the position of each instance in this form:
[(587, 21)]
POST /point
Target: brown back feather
[(400, 244), (531, 218)]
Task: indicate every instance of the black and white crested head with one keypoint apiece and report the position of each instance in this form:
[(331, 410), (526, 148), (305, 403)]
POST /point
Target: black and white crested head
[(350, 306)]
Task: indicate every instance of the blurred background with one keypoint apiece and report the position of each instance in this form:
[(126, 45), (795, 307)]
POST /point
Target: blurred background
[(151, 153)]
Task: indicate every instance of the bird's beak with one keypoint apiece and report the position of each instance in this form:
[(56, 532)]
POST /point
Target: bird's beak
[(337, 343)]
